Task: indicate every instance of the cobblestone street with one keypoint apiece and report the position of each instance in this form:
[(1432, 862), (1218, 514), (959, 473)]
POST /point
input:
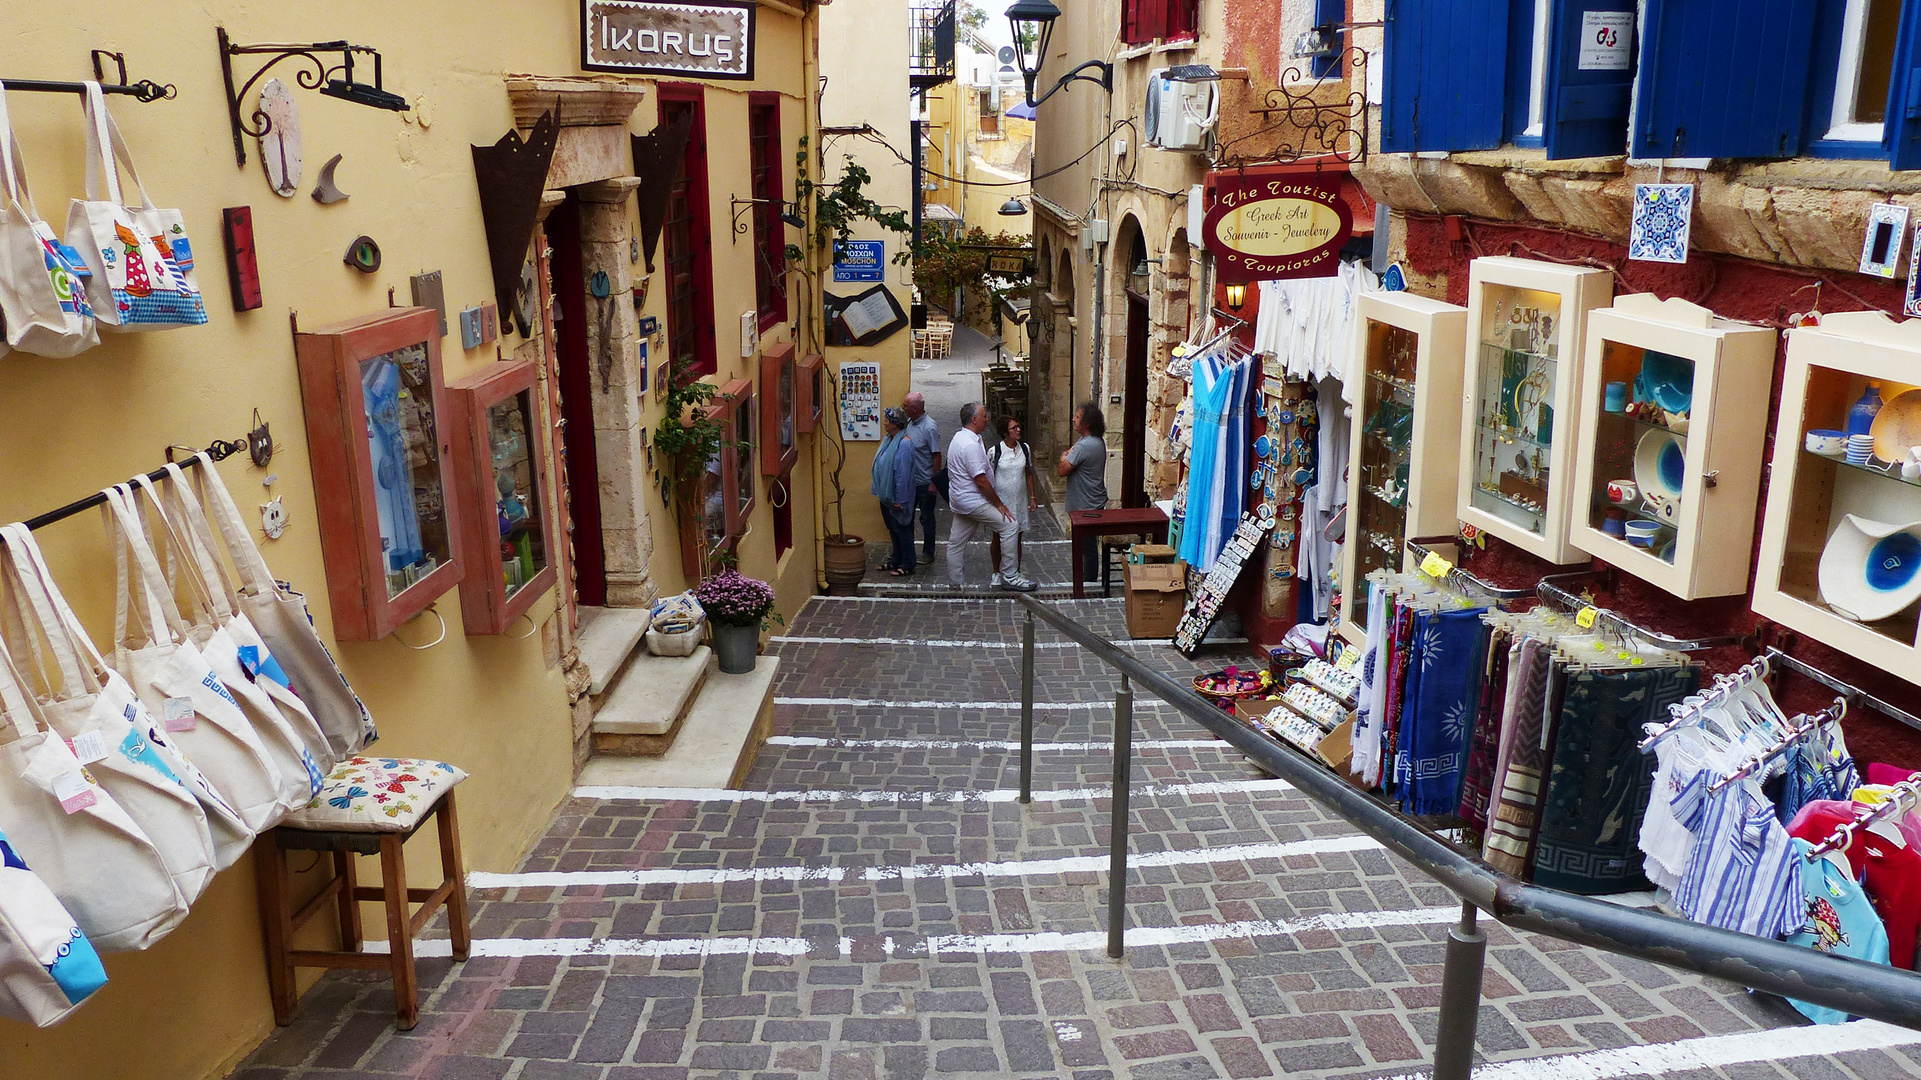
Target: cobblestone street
[(876, 904)]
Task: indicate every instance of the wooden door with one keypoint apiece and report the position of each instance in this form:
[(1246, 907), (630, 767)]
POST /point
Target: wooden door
[(1134, 407), (577, 402)]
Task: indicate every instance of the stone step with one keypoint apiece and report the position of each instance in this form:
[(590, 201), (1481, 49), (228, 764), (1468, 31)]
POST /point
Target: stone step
[(645, 707), (608, 636), (715, 745)]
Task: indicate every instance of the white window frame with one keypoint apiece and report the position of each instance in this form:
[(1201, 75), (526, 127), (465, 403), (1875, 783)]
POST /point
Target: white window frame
[(1537, 75), (1842, 126)]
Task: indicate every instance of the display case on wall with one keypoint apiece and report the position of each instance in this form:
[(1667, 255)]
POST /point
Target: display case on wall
[(813, 391), (1668, 454), (1526, 321), (1402, 472), (381, 456), (780, 416), (500, 471), (1841, 541)]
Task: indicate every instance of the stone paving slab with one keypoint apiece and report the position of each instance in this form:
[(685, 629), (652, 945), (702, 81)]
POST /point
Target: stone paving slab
[(831, 934)]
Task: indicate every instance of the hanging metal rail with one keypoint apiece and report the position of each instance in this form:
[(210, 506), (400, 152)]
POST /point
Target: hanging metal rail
[(1854, 986)]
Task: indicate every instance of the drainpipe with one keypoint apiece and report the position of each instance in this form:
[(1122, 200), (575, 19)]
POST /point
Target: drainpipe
[(810, 263)]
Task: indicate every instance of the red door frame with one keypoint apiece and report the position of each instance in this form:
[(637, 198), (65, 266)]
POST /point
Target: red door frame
[(577, 403)]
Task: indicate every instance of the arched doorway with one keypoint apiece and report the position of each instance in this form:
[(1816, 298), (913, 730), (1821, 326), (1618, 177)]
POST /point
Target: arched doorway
[(1133, 491)]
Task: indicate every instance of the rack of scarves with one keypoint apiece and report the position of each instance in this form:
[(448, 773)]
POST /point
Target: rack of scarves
[(1763, 824)]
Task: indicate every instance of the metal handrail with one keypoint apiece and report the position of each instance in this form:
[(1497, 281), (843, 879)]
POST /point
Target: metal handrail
[(1857, 987)]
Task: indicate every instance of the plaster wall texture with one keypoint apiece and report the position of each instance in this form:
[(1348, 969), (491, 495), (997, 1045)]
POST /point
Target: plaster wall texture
[(197, 1002)]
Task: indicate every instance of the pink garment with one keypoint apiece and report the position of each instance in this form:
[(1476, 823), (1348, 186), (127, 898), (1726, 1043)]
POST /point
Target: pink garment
[(1877, 773)]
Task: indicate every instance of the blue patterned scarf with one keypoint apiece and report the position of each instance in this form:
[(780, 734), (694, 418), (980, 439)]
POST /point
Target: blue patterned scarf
[(1447, 660)]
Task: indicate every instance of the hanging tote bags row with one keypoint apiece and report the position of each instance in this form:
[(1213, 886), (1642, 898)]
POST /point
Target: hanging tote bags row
[(140, 258), (47, 965), (43, 296)]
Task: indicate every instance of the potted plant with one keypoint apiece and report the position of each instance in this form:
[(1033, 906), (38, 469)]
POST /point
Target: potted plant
[(739, 608)]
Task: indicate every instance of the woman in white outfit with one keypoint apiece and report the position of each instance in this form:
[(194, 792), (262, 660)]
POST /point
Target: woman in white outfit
[(1010, 464)]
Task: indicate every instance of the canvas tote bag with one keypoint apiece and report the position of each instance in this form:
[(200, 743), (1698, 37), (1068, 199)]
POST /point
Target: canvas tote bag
[(290, 736), (43, 294), (101, 865), (187, 523), (47, 965), (232, 836), (280, 615), (140, 257), (113, 740)]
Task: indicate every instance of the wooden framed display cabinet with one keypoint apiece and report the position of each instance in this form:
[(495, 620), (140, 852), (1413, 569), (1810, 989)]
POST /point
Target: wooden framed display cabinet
[(1668, 453), (1526, 323), (738, 401), (382, 459), (780, 414), (813, 391), (1841, 540), (500, 471), (1404, 436)]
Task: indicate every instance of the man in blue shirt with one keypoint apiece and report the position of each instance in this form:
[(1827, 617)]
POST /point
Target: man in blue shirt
[(924, 436)]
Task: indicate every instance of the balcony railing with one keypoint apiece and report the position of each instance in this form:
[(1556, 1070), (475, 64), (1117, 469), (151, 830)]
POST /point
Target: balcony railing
[(930, 61)]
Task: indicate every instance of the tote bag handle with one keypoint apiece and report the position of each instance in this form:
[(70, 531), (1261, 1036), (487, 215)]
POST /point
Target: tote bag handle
[(123, 526), (194, 567), (110, 150), (247, 560), (32, 584), (200, 539)]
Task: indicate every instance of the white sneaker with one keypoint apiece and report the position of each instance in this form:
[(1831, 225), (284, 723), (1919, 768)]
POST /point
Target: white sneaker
[(995, 582), (1019, 583)]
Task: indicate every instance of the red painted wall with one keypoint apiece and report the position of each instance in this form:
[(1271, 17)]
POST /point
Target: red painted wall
[(1733, 288)]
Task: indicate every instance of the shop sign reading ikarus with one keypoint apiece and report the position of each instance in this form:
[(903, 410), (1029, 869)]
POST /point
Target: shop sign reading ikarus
[(714, 40), (1269, 226)]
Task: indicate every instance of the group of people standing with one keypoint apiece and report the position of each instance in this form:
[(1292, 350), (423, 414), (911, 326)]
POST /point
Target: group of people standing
[(991, 490)]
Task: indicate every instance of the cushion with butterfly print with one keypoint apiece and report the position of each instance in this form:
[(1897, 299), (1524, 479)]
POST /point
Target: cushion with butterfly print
[(376, 794)]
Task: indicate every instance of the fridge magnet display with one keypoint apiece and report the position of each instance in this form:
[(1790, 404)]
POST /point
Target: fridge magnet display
[(1205, 600), (860, 401), (280, 143), (1881, 247), (1663, 217), (325, 191)]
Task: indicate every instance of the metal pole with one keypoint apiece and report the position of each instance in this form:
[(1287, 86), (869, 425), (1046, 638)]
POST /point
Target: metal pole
[(1460, 998), (1027, 709), (1117, 827)]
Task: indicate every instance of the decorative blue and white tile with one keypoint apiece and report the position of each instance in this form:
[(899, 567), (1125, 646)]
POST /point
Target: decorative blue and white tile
[(1912, 305), (1881, 247), (1663, 216)]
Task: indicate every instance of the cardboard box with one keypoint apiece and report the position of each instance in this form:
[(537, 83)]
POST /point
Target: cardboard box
[(1156, 593), (1150, 553)]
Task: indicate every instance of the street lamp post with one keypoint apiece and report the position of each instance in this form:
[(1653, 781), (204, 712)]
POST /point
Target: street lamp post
[(1033, 21)]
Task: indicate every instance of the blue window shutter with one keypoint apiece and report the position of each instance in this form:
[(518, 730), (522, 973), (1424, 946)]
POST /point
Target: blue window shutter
[(1330, 13), (1520, 71), (1586, 111), (1446, 68), (1901, 132), (1723, 78)]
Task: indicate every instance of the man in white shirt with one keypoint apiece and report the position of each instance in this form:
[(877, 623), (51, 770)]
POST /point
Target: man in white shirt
[(977, 507)]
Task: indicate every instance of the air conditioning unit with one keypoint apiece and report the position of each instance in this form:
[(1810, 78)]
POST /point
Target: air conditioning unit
[(1180, 112)]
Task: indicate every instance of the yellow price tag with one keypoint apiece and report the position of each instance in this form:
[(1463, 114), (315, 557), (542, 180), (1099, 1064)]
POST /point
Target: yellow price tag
[(1584, 618), (1435, 565)]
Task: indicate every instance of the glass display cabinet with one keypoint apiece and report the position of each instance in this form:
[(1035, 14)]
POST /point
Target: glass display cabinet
[(500, 469), (1841, 540), (381, 457), (1668, 453), (813, 391), (1526, 322), (780, 419), (1403, 439)]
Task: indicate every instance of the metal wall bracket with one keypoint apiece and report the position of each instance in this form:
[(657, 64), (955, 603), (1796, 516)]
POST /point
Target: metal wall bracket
[(336, 80)]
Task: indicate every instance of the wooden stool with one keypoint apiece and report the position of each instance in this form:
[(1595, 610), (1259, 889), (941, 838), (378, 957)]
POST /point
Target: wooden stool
[(280, 919)]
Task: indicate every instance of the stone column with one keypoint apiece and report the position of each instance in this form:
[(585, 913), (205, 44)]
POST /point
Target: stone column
[(613, 342)]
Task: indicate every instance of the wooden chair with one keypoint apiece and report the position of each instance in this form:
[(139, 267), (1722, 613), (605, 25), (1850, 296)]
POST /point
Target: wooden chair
[(281, 919)]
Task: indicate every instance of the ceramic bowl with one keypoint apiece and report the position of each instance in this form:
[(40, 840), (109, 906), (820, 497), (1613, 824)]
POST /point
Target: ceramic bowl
[(1897, 427), (1668, 381), (1642, 533), (1660, 466), (1827, 442), (1871, 569)]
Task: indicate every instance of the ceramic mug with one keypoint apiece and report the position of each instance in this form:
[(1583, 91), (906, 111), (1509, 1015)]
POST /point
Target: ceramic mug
[(1622, 492), (1827, 442), (1860, 449), (1642, 533), (1616, 398)]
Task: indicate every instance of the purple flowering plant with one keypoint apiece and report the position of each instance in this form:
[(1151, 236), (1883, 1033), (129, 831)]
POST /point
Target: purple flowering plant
[(733, 599)]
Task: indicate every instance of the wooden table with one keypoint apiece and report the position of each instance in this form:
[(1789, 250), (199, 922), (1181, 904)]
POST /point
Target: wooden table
[(1148, 520)]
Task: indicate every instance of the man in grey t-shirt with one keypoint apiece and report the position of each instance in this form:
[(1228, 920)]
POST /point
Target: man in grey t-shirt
[(924, 436), (1085, 466)]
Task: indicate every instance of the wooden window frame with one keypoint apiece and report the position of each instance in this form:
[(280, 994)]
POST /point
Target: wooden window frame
[(700, 230), (770, 242), (485, 607)]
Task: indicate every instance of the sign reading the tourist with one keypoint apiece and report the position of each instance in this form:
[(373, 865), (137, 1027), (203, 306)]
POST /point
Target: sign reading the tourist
[(1269, 226), (713, 40)]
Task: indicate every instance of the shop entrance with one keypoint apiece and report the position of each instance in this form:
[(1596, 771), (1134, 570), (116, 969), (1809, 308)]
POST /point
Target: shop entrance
[(569, 287), (1134, 406)]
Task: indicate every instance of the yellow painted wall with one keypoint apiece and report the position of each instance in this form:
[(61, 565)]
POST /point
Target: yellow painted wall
[(197, 1002)]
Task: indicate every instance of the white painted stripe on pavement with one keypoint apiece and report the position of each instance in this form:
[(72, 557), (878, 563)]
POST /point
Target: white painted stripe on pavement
[(983, 744), (928, 704), (1706, 1052), (898, 946), (1010, 868), (1079, 863), (947, 644), (991, 795), (983, 598)]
